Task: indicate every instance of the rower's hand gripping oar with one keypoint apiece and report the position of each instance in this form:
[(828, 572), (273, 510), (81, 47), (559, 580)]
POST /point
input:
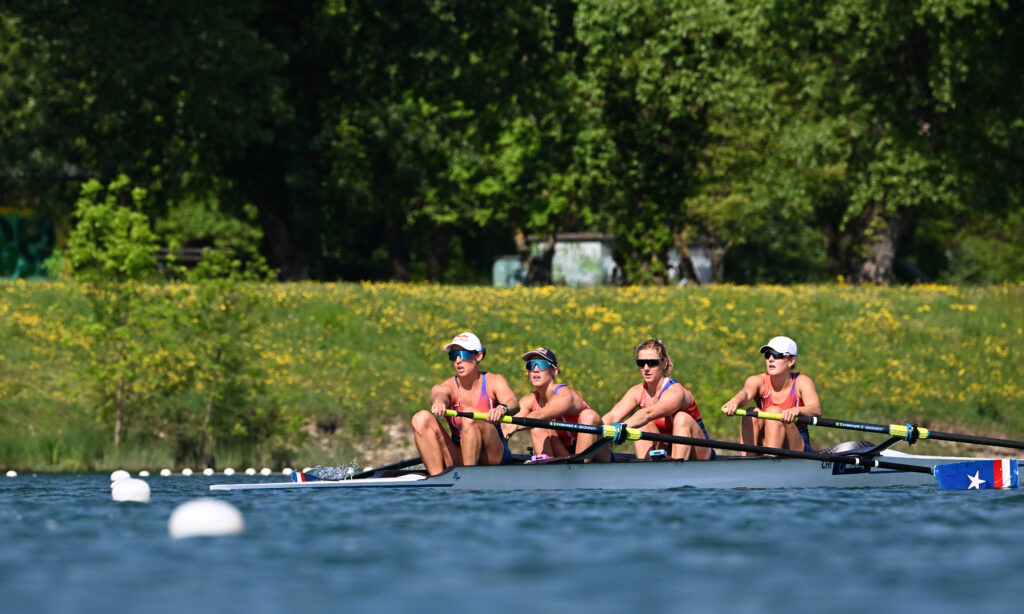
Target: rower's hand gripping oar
[(953, 476), (909, 432)]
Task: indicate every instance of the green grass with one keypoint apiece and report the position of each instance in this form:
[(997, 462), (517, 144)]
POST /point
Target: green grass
[(356, 360)]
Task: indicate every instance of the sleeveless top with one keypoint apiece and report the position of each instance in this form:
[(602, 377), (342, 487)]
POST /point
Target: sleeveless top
[(483, 404), (664, 423), (792, 400), (568, 438)]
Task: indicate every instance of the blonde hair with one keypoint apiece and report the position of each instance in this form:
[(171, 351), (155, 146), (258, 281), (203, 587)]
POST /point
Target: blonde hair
[(655, 344)]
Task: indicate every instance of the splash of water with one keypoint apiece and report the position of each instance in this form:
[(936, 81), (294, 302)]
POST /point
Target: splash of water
[(342, 472)]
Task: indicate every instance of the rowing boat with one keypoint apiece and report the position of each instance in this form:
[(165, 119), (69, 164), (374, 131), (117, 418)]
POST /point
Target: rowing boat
[(850, 465), (722, 472)]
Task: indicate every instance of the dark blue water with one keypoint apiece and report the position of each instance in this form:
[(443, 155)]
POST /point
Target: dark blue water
[(65, 546)]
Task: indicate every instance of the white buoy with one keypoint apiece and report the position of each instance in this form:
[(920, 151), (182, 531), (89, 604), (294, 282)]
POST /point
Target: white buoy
[(143, 474), (11, 473), (229, 471), (306, 469), (265, 471), (120, 474), (250, 471), (130, 489), (208, 471), (286, 471), (205, 518), (165, 472), (186, 471)]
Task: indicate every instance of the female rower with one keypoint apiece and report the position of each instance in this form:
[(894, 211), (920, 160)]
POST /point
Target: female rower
[(472, 442), (553, 401), (661, 405), (778, 390)]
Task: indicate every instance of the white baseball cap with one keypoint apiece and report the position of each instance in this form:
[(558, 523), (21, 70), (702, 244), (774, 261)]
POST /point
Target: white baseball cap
[(466, 341), (783, 345)]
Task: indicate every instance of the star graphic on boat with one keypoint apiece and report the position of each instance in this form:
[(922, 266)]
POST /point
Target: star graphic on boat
[(976, 480)]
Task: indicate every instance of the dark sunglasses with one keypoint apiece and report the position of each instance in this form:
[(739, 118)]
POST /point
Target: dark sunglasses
[(648, 362), (773, 354), (463, 354), (543, 365)]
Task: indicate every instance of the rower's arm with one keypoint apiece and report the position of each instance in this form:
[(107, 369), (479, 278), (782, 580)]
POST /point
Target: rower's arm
[(503, 393), (810, 405), (440, 397), (565, 402), (621, 410), (671, 401), (750, 391)]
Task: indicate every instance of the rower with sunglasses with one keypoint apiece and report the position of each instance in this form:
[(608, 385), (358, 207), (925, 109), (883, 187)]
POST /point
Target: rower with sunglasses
[(471, 442), (553, 401), (661, 405), (777, 390)]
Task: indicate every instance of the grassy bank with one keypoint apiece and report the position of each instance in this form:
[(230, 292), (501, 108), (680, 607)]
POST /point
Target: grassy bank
[(356, 360)]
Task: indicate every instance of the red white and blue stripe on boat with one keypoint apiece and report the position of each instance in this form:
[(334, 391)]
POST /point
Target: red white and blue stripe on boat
[(998, 473)]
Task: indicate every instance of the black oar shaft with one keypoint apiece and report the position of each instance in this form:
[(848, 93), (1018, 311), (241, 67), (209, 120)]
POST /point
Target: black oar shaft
[(601, 431), (898, 430), (984, 441), (402, 464)]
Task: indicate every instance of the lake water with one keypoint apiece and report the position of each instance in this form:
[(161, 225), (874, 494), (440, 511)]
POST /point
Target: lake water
[(65, 546)]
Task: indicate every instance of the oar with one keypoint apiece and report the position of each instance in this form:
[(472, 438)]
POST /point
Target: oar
[(952, 476), (402, 464), (910, 432), (298, 476)]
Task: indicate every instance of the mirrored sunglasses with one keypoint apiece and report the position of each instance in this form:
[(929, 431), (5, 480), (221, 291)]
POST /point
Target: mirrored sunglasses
[(543, 365), (463, 354)]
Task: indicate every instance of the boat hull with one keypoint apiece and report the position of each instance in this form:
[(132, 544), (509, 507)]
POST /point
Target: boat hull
[(724, 472)]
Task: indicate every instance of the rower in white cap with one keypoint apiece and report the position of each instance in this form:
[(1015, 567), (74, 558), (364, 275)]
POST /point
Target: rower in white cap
[(778, 390), (471, 442)]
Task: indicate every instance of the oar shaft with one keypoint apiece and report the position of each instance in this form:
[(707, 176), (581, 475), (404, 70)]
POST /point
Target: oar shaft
[(608, 431), (402, 464), (895, 430)]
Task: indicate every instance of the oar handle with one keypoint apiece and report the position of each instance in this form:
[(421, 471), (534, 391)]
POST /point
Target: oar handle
[(910, 432)]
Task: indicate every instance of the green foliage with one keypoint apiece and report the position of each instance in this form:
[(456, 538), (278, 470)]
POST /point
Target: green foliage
[(388, 140), (987, 255), (147, 341), (880, 121), (111, 251), (111, 240)]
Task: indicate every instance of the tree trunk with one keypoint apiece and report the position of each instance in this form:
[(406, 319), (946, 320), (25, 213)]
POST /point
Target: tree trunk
[(878, 246), (836, 242), (686, 268), (397, 254), (293, 263), (206, 425), (118, 411), (119, 396)]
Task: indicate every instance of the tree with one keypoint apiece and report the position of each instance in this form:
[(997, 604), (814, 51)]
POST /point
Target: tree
[(217, 324), (111, 251), (646, 85), (164, 92), (890, 114)]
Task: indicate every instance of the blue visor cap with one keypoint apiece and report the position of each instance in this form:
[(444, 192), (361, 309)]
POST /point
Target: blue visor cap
[(543, 354)]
